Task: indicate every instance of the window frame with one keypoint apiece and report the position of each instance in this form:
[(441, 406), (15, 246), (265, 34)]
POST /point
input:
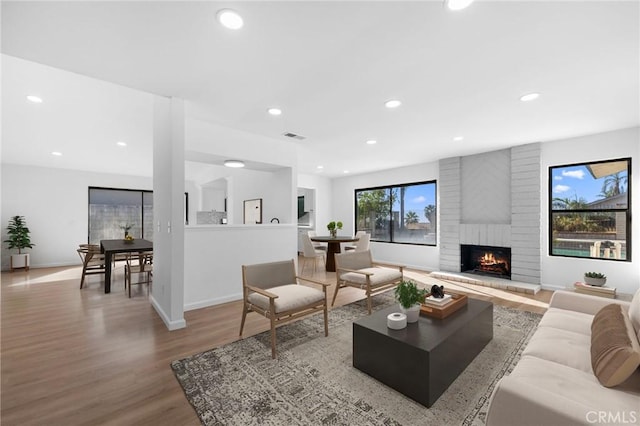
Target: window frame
[(391, 221), (141, 191), (626, 210)]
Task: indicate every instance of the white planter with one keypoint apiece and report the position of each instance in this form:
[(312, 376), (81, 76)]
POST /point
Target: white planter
[(20, 261), (412, 313), (598, 282)]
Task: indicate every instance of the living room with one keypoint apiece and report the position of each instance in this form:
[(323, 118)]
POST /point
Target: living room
[(597, 126)]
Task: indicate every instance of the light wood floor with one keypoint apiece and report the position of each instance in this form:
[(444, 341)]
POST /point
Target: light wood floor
[(80, 357)]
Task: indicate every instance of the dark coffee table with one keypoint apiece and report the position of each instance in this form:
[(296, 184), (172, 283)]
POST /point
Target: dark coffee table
[(423, 359)]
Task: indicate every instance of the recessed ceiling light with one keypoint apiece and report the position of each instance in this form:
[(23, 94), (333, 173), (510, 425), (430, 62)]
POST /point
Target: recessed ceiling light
[(34, 99), (458, 4), (458, 138), (56, 153), (320, 167), (274, 111), (393, 103), (529, 97), (120, 143), (234, 163), (230, 19), (346, 171), (371, 142)]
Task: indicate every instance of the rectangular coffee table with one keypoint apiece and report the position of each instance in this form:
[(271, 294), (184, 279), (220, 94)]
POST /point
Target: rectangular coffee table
[(423, 359)]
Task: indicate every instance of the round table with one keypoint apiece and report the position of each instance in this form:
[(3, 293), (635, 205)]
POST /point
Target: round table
[(333, 247)]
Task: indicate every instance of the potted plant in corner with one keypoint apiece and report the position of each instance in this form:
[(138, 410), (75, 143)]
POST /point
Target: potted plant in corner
[(410, 297), (595, 278), (18, 238)]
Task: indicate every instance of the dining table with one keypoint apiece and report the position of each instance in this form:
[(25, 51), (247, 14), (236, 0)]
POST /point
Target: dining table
[(333, 247), (111, 247)]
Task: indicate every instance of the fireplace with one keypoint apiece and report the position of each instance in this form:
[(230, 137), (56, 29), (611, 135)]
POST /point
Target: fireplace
[(486, 260)]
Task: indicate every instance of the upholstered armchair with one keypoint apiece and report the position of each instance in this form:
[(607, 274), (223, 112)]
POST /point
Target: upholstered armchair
[(357, 269), (272, 290)]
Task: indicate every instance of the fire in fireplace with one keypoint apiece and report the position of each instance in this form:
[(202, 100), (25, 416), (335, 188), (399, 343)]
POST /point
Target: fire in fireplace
[(486, 260)]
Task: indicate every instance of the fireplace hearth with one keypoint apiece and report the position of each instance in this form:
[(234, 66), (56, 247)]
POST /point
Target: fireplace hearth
[(486, 260)]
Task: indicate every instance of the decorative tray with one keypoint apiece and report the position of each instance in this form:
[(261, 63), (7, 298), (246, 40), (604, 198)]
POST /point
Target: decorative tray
[(431, 310)]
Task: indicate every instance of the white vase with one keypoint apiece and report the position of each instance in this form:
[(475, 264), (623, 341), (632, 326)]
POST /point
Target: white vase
[(412, 313)]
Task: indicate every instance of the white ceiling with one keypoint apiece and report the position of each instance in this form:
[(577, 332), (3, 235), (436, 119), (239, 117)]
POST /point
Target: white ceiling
[(329, 66)]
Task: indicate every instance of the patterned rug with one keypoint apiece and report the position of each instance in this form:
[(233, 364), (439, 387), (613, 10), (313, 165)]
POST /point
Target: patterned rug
[(313, 381)]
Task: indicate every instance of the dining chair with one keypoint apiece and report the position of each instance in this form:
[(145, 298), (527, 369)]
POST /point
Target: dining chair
[(363, 242), (93, 261), (140, 264), (273, 290), (309, 252), (357, 269), (316, 245)]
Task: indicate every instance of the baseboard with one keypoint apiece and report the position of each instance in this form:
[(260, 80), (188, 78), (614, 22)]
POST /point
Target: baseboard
[(171, 325), (212, 302)]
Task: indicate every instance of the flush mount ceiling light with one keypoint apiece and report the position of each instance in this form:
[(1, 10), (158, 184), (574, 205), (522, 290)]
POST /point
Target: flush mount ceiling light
[(274, 111), (230, 19), (458, 138), (371, 142), (392, 103), (120, 143), (529, 97), (234, 163), (458, 4), (34, 99), (56, 154)]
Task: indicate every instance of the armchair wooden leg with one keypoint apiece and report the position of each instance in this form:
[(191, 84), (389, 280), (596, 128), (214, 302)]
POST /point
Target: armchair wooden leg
[(244, 316), (273, 338), (369, 302), (326, 318), (335, 293)]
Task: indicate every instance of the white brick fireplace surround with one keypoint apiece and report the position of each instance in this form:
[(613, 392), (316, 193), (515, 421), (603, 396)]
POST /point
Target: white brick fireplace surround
[(493, 199)]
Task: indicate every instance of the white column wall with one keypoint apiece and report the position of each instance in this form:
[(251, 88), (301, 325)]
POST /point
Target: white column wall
[(168, 211)]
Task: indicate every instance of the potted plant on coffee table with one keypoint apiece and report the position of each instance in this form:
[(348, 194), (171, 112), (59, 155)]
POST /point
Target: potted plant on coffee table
[(18, 238), (410, 297)]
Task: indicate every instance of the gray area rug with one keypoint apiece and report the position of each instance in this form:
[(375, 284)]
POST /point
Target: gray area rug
[(313, 381)]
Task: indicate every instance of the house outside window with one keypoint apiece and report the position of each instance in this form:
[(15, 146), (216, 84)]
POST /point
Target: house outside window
[(590, 214), (403, 213)]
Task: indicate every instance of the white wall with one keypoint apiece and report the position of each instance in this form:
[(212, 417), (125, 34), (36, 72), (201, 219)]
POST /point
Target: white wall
[(54, 203), (419, 257), (561, 272), (557, 272), (214, 256), (323, 203)]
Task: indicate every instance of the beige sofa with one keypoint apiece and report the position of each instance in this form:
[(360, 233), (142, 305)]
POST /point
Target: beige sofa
[(554, 383)]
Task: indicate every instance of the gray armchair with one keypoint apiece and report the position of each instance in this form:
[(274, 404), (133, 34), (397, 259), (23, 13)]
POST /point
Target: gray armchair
[(357, 269), (272, 290)]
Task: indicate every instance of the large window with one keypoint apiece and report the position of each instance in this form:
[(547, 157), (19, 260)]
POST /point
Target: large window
[(398, 214), (589, 210), (111, 210)]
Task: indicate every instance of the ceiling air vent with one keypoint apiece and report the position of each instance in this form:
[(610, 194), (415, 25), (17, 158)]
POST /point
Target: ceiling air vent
[(294, 136)]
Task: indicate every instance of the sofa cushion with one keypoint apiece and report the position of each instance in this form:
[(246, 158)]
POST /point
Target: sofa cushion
[(380, 276), (290, 296), (563, 347), (577, 322), (615, 352), (569, 384), (634, 313)]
